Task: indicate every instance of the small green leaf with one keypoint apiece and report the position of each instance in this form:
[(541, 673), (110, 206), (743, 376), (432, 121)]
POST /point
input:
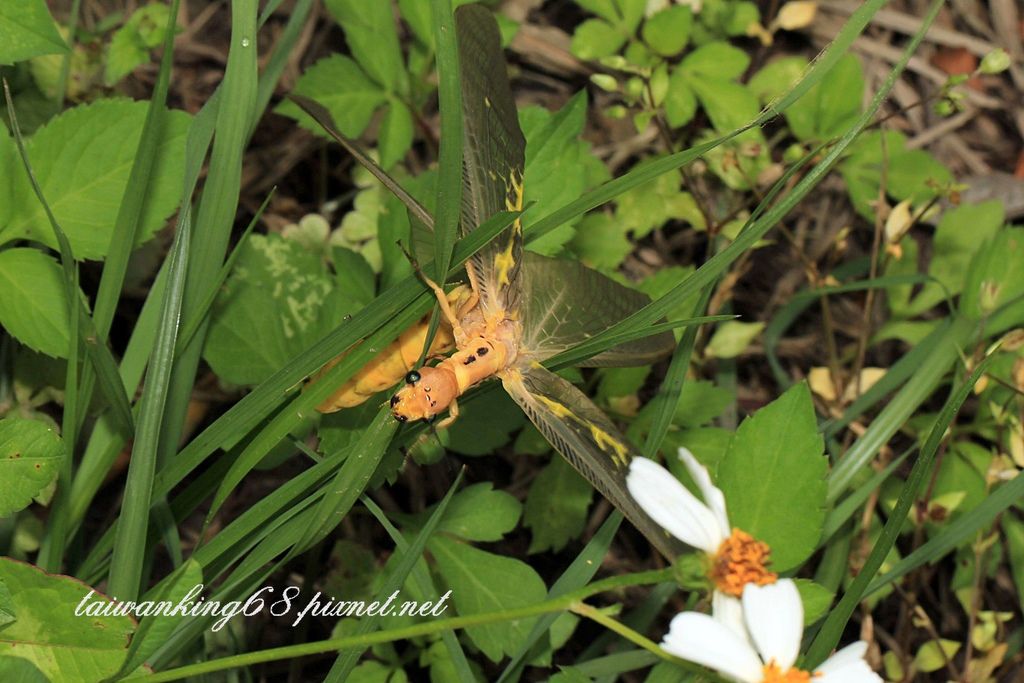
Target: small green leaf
[(48, 633), (732, 338), (816, 599), (653, 204), (488, 583), (773, 477), (718, 61), (934, 654), (680, 100), (601, 242), (595, 38), (371, 35), (777, 77), (556, 506), (340, 85), (30, 457), (82, 159), (396, 133), (27, 30), (479, 513), (993, 278), (668, 31), (831, 106), (131, 44), (34, 306)]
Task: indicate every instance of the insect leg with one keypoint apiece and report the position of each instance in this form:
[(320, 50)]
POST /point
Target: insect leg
[(453, 414), (442, 297)]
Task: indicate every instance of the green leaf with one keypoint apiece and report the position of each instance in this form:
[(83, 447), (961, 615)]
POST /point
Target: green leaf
[(717, 61), (993, 278), (154, 630), (601, 242), (21, 670), (485, 424), (488, 583), (131, 44), (65, 647), (958, 237), (934, 654), (773, 477), (34, 308), (668, 31), (1013, 531), (830, 107), (732, 338), (606, 9), (728, 105), (680, 100), (777, 77), (396, 133), (82, 160), (816, 599), (340, 85), (595, 38), (700, 402), (653, 204), (30, 457), (27, 30), (279, 301), (559, 166), (479, 513), (556, 506), (370, 34)]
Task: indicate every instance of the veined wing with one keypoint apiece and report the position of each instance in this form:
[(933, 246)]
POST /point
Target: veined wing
[(494, 153), (564, 303), (587, 439)]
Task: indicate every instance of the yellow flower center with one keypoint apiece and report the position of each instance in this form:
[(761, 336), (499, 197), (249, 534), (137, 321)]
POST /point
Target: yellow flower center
[(773, 674), (740, 560)]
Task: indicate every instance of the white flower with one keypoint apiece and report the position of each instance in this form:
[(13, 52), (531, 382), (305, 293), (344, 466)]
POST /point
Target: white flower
[(736, 557), (655, 6), (763, 647)]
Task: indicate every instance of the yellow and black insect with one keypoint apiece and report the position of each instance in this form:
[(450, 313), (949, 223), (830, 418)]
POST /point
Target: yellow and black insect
[(519, 308)]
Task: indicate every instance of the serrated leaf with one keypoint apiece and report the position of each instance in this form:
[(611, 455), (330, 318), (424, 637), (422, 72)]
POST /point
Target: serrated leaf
[(340, 85), (34, 308), (556, 506), (773, 477), (488, 583), (65, 647), (278, 301), (370, 33), (395, 134), (82, 159), (27, 30), (479, 513), (30, 457)]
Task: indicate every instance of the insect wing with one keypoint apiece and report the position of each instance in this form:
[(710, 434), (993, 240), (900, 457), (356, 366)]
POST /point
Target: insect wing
[(564, 303), (494, 154), (588, 440)]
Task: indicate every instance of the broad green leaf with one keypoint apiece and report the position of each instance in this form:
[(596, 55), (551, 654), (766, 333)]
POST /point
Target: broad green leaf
[(479, 513), (601, 242), (668, 31), (131, 44), (82, 159), (653, 204), (700, 402), (484, 425), (395, 134), (718, 61), (279, 300), (830, 107), (30, 457), (370, 34), (340, 85), (559, 166), (488, 583), (773, 477), (993, 278), (556, 506), (680, 101), (816, 599), (777, 77), (606, 9), (33, 308), (47, 632), (27, 30), (595, 38), (732, 338), (20, 670)]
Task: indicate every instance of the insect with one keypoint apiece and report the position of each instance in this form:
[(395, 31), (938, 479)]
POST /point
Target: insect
[(520, 308)]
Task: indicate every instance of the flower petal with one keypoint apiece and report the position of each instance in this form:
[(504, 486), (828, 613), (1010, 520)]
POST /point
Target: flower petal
[(713, 496), (728, 611), (775, 620), (847, 666), (699, 638), (654, 6), (669, 504)]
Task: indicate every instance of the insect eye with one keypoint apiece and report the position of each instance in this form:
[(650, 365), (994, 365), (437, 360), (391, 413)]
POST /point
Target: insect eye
[(482, 351), (412, 377), (394, 400)]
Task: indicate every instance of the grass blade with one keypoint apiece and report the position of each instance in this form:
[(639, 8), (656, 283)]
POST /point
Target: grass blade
[(449, 177)]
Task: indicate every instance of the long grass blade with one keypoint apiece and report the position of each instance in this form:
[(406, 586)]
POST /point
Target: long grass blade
[(449, 177)]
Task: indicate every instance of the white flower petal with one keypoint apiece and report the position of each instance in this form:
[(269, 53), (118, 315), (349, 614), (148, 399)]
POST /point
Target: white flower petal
[(847, 666), (775, 620), (655, 6), (669, 504), (728, 611), (699, 638), (713, 496)]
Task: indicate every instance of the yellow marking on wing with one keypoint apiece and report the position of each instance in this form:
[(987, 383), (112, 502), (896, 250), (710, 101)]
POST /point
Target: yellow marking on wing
[(504, 261), (605, 441)]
